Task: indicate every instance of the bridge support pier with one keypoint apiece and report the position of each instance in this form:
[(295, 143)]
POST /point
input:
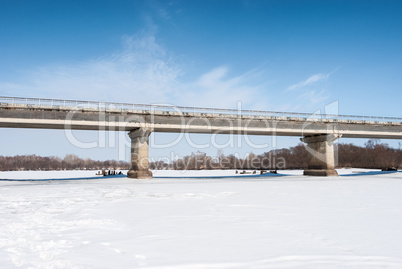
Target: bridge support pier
[(322, 155), (139, 154)]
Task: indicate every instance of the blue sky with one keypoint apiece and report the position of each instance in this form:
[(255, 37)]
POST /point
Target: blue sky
[(272, 55)]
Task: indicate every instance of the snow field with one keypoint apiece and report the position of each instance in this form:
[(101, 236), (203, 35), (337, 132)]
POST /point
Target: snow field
[(275, 222)]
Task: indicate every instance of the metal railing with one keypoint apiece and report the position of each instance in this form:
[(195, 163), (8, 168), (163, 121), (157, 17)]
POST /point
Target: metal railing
[(142, 108)]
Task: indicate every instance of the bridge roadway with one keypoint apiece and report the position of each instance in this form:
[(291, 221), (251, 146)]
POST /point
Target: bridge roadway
[(317, 130)]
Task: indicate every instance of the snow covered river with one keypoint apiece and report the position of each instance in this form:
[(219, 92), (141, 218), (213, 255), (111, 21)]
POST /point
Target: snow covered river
[(256, 222)]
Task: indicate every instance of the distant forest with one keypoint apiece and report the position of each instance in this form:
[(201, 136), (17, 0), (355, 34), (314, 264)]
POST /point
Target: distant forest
[(69, 162), (373, 154)]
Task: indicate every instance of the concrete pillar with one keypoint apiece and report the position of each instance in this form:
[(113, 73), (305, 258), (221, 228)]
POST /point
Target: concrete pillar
[(139, 154), (321, 154)]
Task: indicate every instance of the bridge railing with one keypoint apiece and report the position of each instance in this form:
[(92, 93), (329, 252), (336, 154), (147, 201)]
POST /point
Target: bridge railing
[(108, 106)]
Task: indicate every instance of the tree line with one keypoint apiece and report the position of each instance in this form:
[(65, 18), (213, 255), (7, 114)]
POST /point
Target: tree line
[(69, 162), (373, 155)]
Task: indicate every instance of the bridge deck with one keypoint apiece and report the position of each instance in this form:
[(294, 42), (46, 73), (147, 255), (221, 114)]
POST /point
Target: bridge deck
[(70, 114), (37, 103)]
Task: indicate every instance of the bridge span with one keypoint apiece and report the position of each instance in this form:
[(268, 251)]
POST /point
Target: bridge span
[(318, 131)]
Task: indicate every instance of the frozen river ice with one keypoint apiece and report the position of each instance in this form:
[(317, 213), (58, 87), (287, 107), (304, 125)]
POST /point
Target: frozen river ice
[(178, 222)]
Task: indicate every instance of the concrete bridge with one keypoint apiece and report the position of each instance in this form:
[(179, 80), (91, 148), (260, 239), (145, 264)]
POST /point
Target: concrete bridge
[(318, 131)]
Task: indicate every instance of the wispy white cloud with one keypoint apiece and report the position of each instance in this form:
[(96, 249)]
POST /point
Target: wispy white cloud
[(216, 88), (313, 97), (314, 79), (142, 72), (310, 93), (164, 10)]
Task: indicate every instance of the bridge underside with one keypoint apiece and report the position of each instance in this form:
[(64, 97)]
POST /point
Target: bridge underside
[(318, 134), (320, 149)]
